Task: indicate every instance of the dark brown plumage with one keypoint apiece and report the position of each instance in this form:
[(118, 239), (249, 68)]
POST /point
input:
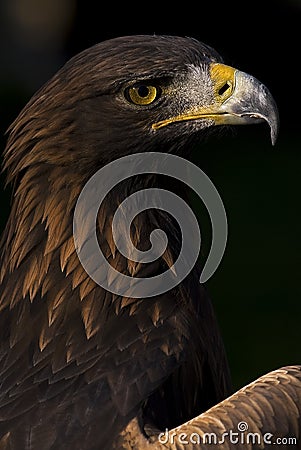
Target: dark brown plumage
[(77, 362)]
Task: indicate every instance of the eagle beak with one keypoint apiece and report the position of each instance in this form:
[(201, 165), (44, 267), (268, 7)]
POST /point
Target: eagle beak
[(241, 99), (238, 98)]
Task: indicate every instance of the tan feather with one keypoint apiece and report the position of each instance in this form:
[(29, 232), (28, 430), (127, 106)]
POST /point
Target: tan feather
[(228, 416)]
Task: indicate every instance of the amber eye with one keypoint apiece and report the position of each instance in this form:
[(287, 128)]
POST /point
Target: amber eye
[(142, 94)]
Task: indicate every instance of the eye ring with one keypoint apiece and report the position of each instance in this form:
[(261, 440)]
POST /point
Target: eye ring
[(142, 94)]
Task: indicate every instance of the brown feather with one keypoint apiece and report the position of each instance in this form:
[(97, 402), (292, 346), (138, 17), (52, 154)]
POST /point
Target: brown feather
[(78, 363)]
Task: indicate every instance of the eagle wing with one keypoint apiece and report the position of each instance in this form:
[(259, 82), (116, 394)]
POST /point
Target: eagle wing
[(264, 414)]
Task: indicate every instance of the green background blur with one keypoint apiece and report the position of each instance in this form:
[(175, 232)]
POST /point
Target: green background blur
[(256, 290)]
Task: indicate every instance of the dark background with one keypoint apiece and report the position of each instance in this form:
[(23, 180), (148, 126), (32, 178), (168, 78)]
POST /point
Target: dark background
[(256, 290)]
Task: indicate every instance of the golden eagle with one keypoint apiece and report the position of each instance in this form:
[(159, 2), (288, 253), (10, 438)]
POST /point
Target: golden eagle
[(84, 368)]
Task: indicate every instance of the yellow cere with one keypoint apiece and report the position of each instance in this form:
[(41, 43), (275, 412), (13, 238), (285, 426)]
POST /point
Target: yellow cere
[(223, 78)]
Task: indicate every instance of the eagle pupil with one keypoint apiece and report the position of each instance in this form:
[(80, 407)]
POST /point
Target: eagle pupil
[(143, 91)]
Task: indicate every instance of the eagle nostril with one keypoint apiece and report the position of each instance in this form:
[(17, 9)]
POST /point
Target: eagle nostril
[(224, 88)]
